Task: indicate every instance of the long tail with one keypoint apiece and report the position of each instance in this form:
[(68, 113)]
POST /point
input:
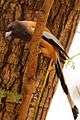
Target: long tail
[(65, 89)]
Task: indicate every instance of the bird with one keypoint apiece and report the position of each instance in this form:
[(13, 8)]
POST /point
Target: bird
[(25, 29), (50, 46)]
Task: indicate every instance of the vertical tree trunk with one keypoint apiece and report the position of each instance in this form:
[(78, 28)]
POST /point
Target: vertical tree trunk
[(32, 65), (62, 22)]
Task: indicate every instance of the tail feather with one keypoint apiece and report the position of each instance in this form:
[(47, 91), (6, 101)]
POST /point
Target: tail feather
[(65, 89)]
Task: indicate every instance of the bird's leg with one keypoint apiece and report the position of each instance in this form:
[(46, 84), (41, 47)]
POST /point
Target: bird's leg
[(65, 88)]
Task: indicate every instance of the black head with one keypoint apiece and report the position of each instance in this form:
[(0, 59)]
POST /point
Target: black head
[(17, 30)]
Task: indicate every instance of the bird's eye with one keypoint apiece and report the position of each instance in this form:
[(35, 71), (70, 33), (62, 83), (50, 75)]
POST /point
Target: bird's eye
[(10, 27)]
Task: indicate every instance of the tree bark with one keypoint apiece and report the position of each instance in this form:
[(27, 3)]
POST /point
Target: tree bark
[(36, 38), (62, 22), (32, 65)]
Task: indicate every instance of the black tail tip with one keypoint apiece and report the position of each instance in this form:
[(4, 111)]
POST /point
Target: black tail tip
[(75, 112)]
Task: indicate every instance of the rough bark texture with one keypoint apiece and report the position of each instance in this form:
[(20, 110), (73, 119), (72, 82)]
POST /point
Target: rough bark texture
[(62, 22), (32, 65), (42, 17)]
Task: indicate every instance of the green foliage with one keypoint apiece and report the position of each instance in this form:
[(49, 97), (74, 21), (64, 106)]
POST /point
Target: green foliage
[(10, 96), (2, 94), (70, 61)]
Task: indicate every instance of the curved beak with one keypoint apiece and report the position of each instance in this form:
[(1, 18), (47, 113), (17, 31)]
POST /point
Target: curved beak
[(8, 34)]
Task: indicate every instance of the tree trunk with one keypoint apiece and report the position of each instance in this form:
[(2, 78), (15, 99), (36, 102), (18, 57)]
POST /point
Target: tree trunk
[(62, 22)]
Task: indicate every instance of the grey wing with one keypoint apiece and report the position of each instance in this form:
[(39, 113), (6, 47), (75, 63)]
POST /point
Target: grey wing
[(50, 38)]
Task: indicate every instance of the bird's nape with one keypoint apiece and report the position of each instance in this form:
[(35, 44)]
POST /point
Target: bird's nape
[(17, 30)]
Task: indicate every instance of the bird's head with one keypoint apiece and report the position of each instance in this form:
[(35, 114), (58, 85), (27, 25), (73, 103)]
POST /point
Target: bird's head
[(19, 29)]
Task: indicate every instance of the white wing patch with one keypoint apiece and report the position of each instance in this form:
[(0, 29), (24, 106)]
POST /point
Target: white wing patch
[(52, 37)]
